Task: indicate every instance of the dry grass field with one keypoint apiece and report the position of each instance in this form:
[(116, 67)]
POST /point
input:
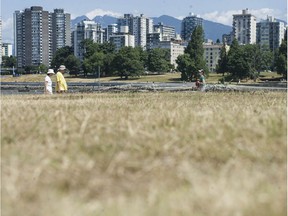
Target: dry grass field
[(167, 77), (144, 154)]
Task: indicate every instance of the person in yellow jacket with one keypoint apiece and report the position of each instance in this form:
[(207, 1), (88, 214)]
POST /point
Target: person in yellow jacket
[(61, 85)]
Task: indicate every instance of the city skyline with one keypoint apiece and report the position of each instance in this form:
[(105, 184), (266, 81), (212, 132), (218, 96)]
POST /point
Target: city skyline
[(221, 12)]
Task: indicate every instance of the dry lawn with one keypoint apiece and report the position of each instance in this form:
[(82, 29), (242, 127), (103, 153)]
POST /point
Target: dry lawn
[(144, 154)]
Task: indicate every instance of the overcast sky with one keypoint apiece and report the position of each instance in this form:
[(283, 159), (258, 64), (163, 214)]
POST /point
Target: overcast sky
[(214, 10)]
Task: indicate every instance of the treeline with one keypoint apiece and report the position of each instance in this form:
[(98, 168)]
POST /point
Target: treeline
[(104, 60), (239, 62), (247, 61)]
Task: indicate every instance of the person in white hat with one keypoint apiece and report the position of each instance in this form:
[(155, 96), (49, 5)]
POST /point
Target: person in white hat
[(61, 85), (48, 82)]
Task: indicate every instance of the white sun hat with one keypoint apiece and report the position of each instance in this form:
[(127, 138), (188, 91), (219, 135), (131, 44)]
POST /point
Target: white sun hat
[(50, 71), (62, 67)]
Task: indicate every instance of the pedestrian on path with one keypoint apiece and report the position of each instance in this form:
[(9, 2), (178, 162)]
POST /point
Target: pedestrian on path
[(48, 82), (61, 85)]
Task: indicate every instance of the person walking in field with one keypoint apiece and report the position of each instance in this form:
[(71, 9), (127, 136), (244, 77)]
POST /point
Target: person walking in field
[(61, 85), (202, 81), (48, 82)]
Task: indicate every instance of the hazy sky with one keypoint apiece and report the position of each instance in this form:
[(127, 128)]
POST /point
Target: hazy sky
[(214, 10)]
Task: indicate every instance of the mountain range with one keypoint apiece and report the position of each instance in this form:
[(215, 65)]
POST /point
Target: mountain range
[(213, 30)]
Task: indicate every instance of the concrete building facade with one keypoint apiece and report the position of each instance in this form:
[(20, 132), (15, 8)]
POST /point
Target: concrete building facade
[(109, 31), (61, 31), (244, 27), (122, 38), (167, 32), (86, 29), (270, 33), (139, 26), (212, 54), (7, 49), (188, 25), (175, 48), (37, 34)]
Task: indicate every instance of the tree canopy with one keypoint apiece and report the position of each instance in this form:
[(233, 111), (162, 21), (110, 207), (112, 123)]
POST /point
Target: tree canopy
[(281, 59), (193, 60)]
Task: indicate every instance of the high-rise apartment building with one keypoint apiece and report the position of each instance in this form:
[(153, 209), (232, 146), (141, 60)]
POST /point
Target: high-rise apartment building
[(61, 31), (7, 49), (139, 26), (188, 25), (270, 33), (86, 29), (32, 37), (244, 27), (160, 33), (109, 31), (36, 33), (167, 32)]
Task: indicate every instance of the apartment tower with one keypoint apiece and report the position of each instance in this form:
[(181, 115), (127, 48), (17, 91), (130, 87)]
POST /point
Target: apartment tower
[(86, 29), (270, 33), (139, 26), (188, 25), (61, 31), (244, 27), (38, 34)]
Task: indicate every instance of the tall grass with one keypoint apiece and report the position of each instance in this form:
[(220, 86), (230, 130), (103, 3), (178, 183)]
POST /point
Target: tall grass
[(144, 154)]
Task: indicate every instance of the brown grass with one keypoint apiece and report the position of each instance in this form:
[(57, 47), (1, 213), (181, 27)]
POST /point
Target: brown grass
[(144, 154), (168, 77)]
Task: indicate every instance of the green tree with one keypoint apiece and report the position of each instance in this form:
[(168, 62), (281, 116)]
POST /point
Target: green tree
[(158, 60), (281, 58), (65, 56), (195, 52), (223, 61), (60, 57), (9, 61), (143, 56), (185, 65), (266, 58), (73, 64), (107, 68), (92, 64), (237, 65), (127, 62)]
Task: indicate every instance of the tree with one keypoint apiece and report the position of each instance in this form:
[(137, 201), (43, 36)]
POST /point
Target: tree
[(223, 61), (281, 58), (158, 60), (237, 65), (73, 64), (107, 68), (185, 65), (92, 64), (195, 52), (60, 57), (8, 61), (65, 56), (127, 62)]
